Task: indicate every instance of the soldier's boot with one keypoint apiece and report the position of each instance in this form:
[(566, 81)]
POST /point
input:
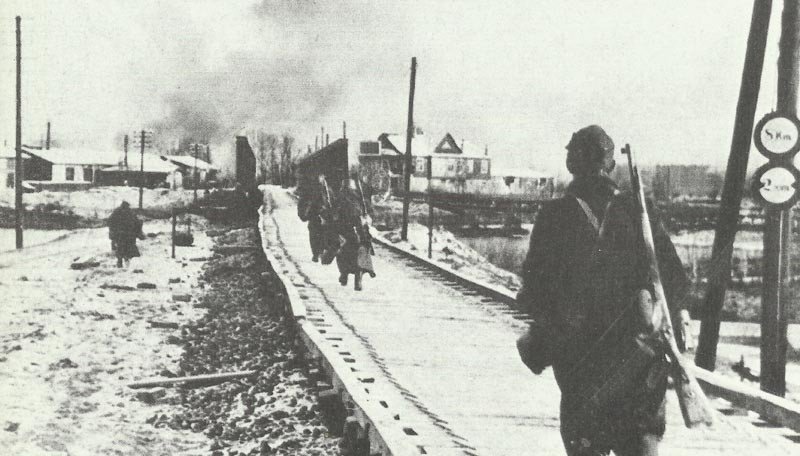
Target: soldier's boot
[(343, 279), (315, 258), (119, 262), (357, 281)]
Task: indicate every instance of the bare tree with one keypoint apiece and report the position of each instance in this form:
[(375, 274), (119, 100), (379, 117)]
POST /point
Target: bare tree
[(287, 166), (267, 145)]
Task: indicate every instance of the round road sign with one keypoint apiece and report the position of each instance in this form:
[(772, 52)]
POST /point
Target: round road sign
[(777, 185), (777, 135)]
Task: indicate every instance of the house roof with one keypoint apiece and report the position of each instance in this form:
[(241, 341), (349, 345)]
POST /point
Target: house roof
[(189, 162), (152, 164), (420, 144), (75, 156)]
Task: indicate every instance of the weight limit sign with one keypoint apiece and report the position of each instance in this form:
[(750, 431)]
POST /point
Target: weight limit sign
[(776, 185)]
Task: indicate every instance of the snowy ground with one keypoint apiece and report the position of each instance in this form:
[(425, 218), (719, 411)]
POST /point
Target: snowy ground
[(70, 341), (98, 202), (460, 257), (30, 237)]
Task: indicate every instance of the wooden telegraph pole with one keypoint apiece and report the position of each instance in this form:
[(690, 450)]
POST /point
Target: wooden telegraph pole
[(194, 175), (407, 162), (125, 147), (733, 189), (141, 172), (18, 168), (777, 227), (429, 165)]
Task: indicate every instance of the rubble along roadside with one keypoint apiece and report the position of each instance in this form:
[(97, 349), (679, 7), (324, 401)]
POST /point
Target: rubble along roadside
[(272, 412)]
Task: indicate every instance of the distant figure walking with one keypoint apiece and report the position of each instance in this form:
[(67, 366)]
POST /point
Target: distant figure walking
[(584, 283), (123, 230), (352, 223)]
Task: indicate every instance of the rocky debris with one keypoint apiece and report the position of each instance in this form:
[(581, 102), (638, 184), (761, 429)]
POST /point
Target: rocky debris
[(93, 314), (181, 297), (23, 278), (175, 280), (151, 396), (273, 412), (84, 263), (113, 286), (11, 426), (163, 324), (63, 363), (146, 286), (138, 271), (13, 348)]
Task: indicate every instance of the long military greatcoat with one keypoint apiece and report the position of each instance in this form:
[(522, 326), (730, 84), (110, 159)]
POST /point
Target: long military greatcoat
[(580, 294), (355, 254), (123, 229)]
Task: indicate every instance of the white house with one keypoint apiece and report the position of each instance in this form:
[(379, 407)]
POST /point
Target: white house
[(66, 166)]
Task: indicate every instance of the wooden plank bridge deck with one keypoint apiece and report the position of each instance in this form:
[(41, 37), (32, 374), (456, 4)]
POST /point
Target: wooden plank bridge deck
[(433, 367)]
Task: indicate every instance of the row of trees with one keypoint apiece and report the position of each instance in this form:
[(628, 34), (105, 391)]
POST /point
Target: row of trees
[(274, 158)]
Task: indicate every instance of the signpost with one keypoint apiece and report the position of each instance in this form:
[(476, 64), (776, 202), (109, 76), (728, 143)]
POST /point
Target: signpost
[(19, 209), (776, 185), (144, 139)]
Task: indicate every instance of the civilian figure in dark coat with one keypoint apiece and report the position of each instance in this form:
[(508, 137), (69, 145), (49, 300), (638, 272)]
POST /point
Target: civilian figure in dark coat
[(580, 288), (352, 224), (123, 229)]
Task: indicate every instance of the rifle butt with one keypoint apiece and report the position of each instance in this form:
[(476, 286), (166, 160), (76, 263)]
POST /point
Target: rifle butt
[(692, 400)]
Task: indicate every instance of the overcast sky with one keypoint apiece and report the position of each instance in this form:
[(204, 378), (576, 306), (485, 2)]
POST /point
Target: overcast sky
[(519, 76)]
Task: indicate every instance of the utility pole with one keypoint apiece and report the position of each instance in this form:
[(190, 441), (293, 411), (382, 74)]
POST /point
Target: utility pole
[(344, 129), (47, 138), (777, 224), (125, 148), (429, 165), (194, 175), (733, 189), (141, 173), (18, 168), (407, 162)]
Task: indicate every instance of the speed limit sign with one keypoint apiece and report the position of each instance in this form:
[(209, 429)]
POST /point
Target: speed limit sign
[(777, 136), (777, 185)]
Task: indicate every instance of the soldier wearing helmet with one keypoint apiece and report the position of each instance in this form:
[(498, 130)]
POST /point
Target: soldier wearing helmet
[(583, 270)]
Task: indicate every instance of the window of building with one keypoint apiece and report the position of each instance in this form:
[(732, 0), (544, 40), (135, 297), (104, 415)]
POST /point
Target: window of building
[(70, 173), (10, 180), (484, 166), (88, 174), (420, 166)]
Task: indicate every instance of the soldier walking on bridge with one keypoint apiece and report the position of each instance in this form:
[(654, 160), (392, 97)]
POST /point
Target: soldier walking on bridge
[(316, 207), (584, 283), (352, 220)]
